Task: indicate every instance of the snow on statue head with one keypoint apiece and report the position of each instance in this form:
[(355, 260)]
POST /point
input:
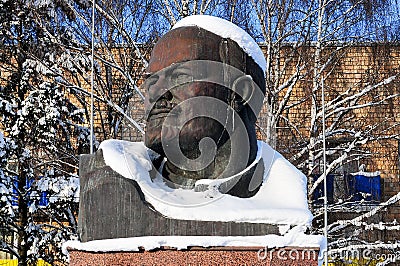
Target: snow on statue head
[(205, 88)]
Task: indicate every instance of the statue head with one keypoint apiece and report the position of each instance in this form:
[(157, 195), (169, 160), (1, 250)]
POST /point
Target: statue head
[(203, 87)]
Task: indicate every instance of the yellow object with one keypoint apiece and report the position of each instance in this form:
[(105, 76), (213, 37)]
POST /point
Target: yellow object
[(8, 262), (42, 263), (15, 263)]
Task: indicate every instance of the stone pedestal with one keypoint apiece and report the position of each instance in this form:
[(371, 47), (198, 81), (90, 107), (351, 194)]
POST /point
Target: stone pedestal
[(228, 256), (112, 206)]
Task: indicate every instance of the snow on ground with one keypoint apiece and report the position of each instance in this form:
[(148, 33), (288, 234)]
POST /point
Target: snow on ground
[(367, 174), (281, 200), (294, 238), (226, 29)]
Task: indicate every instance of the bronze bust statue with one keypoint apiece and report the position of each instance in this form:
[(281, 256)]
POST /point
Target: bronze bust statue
[(200, 170), (190, 62)]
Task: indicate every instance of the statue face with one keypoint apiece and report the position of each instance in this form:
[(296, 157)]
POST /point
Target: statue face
[(200, 105), (170, 84)]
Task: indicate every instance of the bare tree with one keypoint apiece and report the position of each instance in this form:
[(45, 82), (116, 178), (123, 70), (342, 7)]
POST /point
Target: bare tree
[(123, 30), (307, 44)]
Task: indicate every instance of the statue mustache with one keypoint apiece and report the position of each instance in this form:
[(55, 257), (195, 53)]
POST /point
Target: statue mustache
[(163, 108)]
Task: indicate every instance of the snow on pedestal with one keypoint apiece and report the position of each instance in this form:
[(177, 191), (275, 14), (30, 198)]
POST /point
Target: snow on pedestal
[(293, 248), (293, 238), (281, 200)]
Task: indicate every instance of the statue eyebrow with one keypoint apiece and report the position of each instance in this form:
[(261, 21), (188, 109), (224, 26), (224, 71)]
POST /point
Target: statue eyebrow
[(168, 69)]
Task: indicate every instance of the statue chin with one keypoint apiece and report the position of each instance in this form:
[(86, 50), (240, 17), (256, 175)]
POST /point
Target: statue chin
[(188, 146)]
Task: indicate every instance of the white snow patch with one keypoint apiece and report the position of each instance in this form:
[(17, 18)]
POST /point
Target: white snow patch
[(226, 29), (284, 228), (2, 147), (294, 238), (367, 174), (282, 198)]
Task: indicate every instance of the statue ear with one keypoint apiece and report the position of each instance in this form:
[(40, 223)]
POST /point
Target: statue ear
[(244, 86)]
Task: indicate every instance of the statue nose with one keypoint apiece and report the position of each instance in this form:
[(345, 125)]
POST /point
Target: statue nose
[(168, 96), (157, 88), (155, 96), (152, 97), (165, 100)]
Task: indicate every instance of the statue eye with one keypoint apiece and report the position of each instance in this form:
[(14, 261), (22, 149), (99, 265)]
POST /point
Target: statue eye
[(180, 76)]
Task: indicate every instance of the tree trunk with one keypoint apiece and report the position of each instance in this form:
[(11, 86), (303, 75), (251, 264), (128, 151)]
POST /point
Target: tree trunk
[(23, 217)]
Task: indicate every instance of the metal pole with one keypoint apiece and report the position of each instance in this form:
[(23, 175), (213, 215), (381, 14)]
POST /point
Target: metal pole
[(92, 84), (325, 177)]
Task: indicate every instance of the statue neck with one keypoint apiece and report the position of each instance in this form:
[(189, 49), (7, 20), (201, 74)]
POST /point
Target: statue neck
[(187, 179)]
